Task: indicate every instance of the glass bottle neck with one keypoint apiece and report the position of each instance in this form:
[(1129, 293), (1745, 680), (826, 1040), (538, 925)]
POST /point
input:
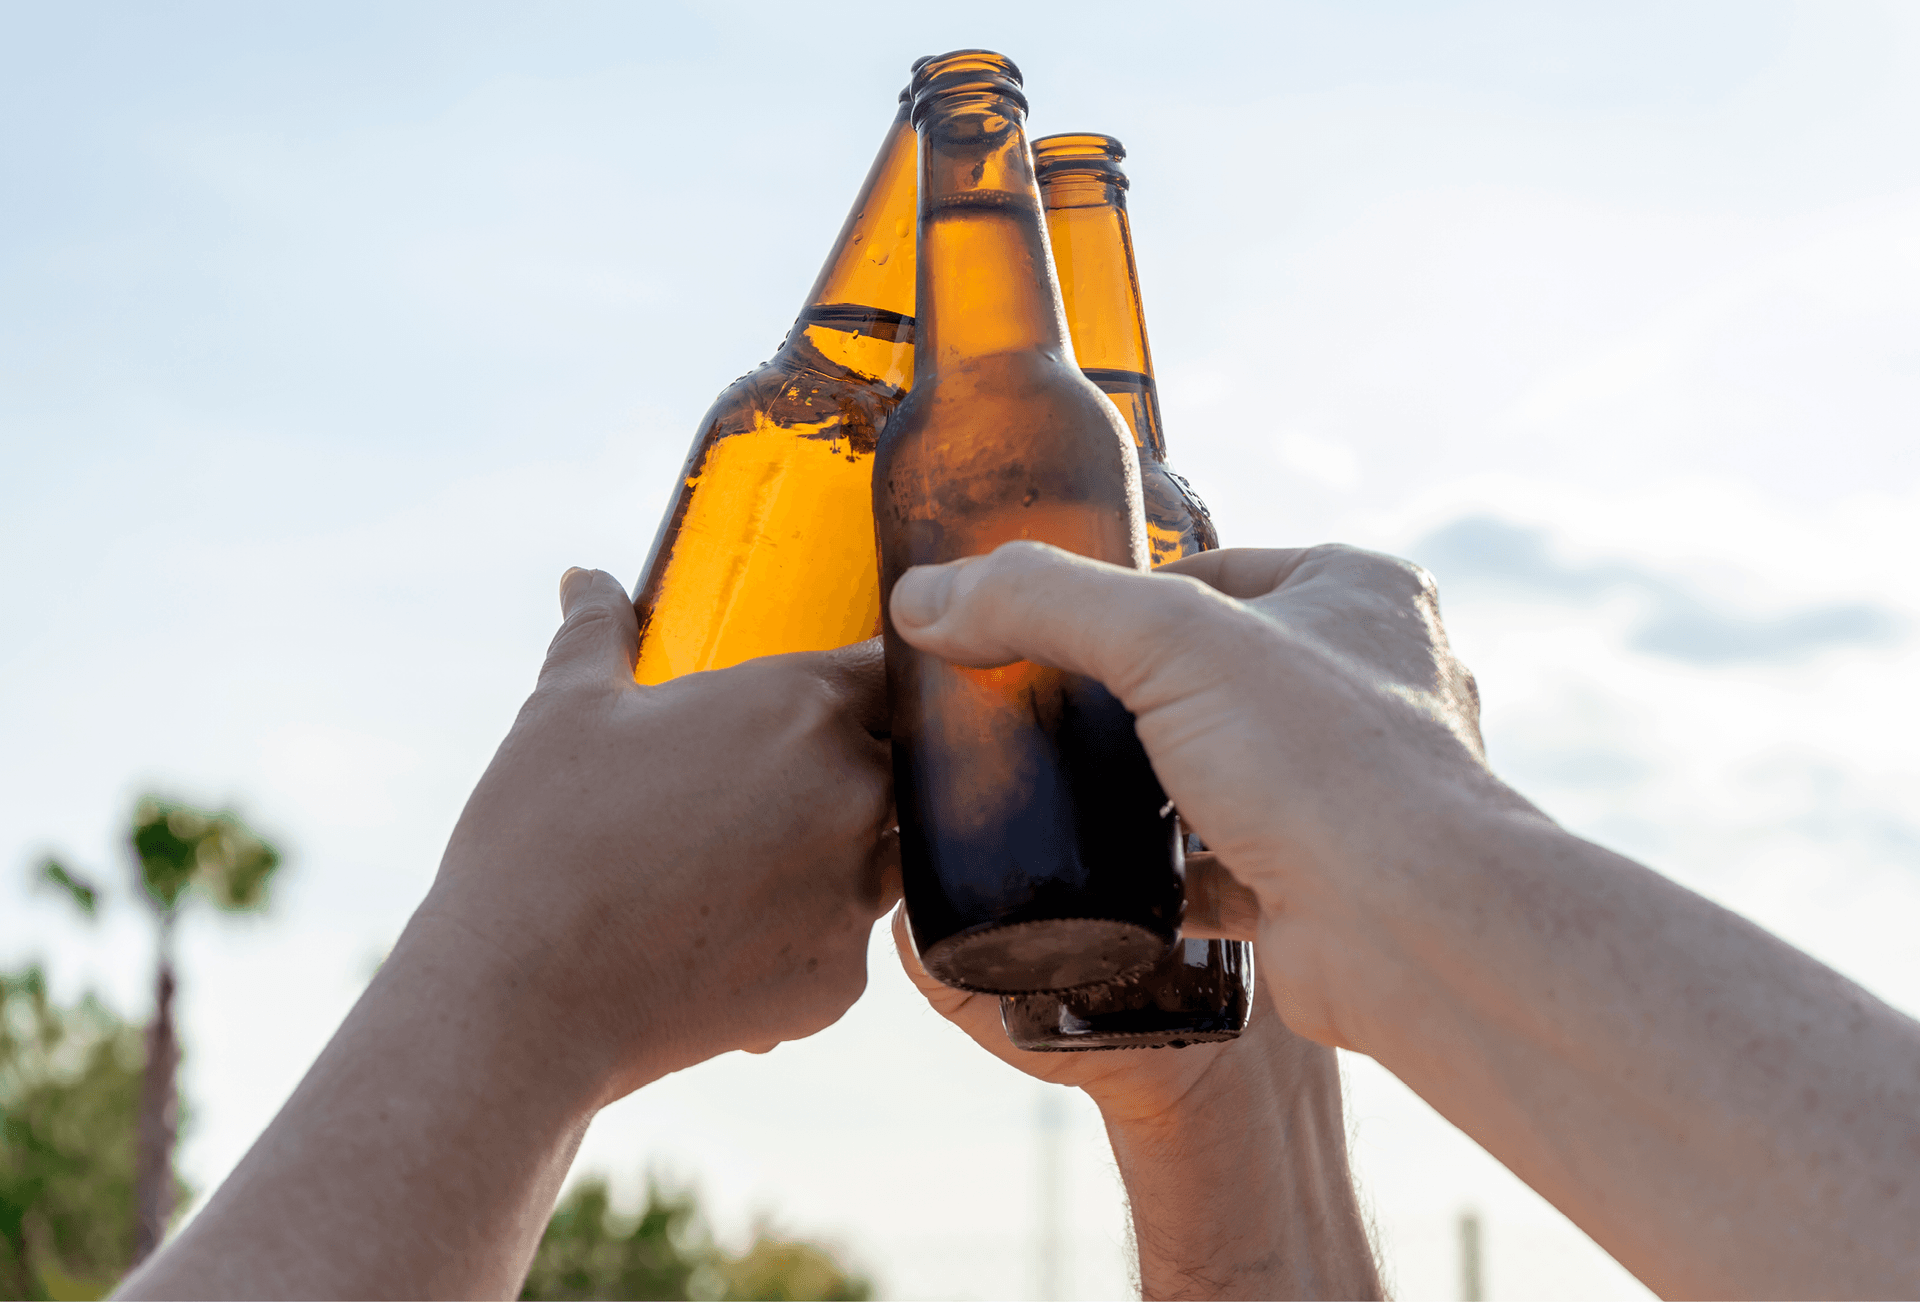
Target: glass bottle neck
[(986, 277), (1093, 251), (860, 314)]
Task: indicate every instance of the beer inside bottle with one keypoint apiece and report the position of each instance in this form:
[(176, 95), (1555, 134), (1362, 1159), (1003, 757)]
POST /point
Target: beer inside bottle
[(768, 544), (1202, 991), (1038, 850)]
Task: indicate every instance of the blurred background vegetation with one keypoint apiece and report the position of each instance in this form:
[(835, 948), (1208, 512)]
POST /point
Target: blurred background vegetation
[(69, 1102), (90, 1117), (667, 1251)]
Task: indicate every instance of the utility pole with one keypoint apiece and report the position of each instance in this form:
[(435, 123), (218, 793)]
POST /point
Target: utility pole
[(1473, 1287), (1050, 1256)]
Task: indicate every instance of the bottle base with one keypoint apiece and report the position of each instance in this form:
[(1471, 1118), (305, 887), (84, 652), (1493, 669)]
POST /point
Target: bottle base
[(1041, 1024), (1201, 994), (1045, 956), (1145, 1040)]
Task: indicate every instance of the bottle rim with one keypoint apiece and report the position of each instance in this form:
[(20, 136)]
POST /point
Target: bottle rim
[(906, 91), (964, 72), (1079, 153)]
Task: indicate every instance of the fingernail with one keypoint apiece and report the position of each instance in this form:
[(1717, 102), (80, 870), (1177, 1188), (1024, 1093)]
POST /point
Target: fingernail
[(920, 595), (565, 578)]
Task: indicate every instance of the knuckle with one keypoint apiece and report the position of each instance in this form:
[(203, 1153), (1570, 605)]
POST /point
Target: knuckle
[(1390, 576), (1021, 553)]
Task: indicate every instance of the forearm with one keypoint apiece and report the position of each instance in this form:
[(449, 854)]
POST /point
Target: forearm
[(1721, 1112), (1243, 1189), (420, 1157)]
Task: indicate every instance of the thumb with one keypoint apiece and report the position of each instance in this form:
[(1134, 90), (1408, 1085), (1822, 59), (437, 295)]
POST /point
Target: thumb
[(1218, 906), (1029, 601), (599, 634)]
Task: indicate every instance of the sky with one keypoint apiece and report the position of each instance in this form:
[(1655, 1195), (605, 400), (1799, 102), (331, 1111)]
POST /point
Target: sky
[(330, 335)]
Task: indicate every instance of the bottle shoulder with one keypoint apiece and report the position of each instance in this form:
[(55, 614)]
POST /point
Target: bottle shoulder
[(1178, 522), (1010, 447), (785, 392), (1047, 400)]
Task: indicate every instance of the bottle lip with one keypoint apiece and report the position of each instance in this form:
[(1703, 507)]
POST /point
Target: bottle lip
[(1079, 153), (906, 91), (964, 72)]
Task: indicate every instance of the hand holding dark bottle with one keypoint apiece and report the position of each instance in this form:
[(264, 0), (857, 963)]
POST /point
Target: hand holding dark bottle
[(1722, 1113), (1301, 708)]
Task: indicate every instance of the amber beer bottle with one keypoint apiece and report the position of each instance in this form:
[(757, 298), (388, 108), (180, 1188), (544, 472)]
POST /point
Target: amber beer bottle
[(1201, 991), (1038, 850), (768, 545)]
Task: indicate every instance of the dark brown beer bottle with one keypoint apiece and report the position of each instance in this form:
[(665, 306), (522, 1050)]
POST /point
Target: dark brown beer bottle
[(1038, 850), (1201, 991), (768, 544)]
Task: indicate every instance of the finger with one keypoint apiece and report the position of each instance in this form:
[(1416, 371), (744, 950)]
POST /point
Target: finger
[(1218, 906), (859, 673), (1026, 600), (944, 998), (1243, 572), (977, 1015), (599, 635), (883, 872)]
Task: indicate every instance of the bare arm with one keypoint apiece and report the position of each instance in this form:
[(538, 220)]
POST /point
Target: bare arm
[(1725, 1115), (1721, 1112), (420, 1157), (583, 937), (1243, 1189), (1234, 1155)]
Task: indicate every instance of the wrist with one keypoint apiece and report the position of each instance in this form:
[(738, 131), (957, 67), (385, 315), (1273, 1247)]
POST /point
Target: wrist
[(484, 1004), (1253, 1080), (1241, 1189), (1362, 935)]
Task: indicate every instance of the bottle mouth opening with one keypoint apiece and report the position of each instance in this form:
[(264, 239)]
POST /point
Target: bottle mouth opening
[(1079, 153), (981, 73)]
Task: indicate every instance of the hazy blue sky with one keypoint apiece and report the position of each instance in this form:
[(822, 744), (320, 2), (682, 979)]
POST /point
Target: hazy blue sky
[(330, 334)]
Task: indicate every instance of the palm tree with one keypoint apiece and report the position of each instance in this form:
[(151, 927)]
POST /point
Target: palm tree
[(178, 850)]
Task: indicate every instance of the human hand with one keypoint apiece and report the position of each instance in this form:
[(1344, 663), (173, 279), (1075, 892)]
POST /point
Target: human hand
[(1302, 709), (1132, 1086), (1233, 1153), (675, 871)]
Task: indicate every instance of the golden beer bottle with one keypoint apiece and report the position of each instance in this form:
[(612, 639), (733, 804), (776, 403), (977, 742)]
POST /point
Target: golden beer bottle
[(1038, 851), (768, 546), (1202, 991)]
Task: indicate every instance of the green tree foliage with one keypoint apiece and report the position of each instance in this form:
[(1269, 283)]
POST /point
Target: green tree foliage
[(69, 1095), (179, 846), (783, 1270), (84, 894), (667, 1252)]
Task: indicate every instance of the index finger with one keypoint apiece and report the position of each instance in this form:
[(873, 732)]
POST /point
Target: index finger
[(1243, 572), (859, 673)]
